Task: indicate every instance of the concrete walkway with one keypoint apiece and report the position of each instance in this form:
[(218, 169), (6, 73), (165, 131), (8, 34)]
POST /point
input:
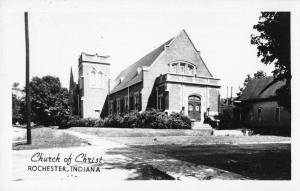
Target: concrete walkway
[(118, 162)]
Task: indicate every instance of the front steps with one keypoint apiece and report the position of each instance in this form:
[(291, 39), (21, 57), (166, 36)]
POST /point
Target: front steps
[(200, 125)]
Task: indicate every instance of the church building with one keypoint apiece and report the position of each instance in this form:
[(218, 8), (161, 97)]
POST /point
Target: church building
[(171, 78)]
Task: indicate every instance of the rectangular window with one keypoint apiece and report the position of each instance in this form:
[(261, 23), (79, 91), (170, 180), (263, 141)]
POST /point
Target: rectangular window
[(259, 115), (137, 101), (82, 85), (131, 102), (126, 103), (122, 104), (118, 106), (277, 114), (251, 116), (160, 102)]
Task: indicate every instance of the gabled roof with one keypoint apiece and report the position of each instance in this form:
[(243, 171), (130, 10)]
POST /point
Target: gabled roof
[(129, 76), (261, 89)]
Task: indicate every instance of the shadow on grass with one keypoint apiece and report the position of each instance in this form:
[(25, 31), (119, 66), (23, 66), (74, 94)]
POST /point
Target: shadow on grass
[(139, 170), (263, 162)]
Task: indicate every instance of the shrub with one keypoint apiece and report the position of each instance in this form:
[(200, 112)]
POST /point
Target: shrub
[(130, 120), (152, 119), (179, 121), (76, 121), (113, 121), (99, 123)]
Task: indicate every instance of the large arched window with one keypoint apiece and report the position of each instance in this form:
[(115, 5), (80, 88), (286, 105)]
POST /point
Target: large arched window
[(182, 67)]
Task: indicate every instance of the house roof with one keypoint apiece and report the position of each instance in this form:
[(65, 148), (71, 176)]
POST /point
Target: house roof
[(261, 89), (129, 76)]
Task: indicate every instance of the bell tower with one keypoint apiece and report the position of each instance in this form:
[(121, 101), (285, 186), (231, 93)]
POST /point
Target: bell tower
[(93, 79)]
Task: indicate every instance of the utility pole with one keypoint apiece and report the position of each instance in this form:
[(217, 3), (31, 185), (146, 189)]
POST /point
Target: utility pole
[(28, 106)]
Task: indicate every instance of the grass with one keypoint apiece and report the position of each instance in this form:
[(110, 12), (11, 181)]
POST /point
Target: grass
[(259, 161), (46, 137), (129, 132), (172, 136), (237, 154)]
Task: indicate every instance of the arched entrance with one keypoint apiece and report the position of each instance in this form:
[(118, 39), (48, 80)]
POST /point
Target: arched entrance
[(194, 107)]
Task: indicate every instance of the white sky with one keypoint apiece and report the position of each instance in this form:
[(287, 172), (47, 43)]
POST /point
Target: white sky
[(58, 38)]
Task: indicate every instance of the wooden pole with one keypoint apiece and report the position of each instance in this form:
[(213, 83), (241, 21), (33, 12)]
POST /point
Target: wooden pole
[(28, 106)]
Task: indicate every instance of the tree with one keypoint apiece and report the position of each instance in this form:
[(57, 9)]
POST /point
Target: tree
[(272, 38), (257, 75), (18, 104), (49, 101)]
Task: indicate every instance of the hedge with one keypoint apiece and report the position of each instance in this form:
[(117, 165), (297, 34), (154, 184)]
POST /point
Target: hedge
[(152, 119)]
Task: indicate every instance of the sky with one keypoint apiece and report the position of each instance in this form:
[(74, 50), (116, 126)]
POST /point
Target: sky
[(58, 38)]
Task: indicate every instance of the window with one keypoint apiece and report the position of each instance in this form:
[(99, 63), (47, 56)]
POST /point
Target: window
[(137, 101), (251, 116), (160, 102), (118, 106), (126, 103), (110, 107), (259, 114), (82, 86), (99, 80), (191, 107), (190, 70), (93, 78), (277, 114), (174, 68), (182, 68), (194, 98)]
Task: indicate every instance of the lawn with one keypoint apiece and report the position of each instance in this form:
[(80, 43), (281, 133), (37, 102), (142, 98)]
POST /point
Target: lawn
[(46, 137), (255, 161), (245, 155), (172, 136)]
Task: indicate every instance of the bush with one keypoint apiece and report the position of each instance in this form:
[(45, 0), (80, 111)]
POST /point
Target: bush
[(113, 121), (179, 121), (152, 119), (99, 123), (130, 120), (76, 121)]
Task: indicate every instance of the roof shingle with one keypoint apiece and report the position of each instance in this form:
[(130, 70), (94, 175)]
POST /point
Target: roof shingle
[(130, 75), (261, 89)]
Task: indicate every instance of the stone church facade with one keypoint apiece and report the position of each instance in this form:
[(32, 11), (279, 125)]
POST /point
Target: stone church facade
[(171, 78)]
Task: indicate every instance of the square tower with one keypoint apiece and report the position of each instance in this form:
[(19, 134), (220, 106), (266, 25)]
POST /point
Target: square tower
[(93, 81)]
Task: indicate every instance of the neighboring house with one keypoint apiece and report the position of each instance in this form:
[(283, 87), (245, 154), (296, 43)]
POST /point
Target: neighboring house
[(259, 106), (173, 77)]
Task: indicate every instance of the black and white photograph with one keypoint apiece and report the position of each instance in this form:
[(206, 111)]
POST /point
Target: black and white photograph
[(176, 93)]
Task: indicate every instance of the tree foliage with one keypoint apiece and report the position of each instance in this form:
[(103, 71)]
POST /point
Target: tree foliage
[(272, 38), (49, 101), (18, 104)]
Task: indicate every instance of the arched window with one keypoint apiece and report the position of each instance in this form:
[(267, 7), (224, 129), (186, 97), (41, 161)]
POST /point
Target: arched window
[(182, 68), (99, 80), (93, 78), (194, 98)]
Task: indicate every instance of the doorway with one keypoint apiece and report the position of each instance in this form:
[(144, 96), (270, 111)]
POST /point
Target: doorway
[(194, 107)]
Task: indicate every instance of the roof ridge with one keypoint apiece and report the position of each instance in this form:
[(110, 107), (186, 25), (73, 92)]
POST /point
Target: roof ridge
[(133, 64)]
